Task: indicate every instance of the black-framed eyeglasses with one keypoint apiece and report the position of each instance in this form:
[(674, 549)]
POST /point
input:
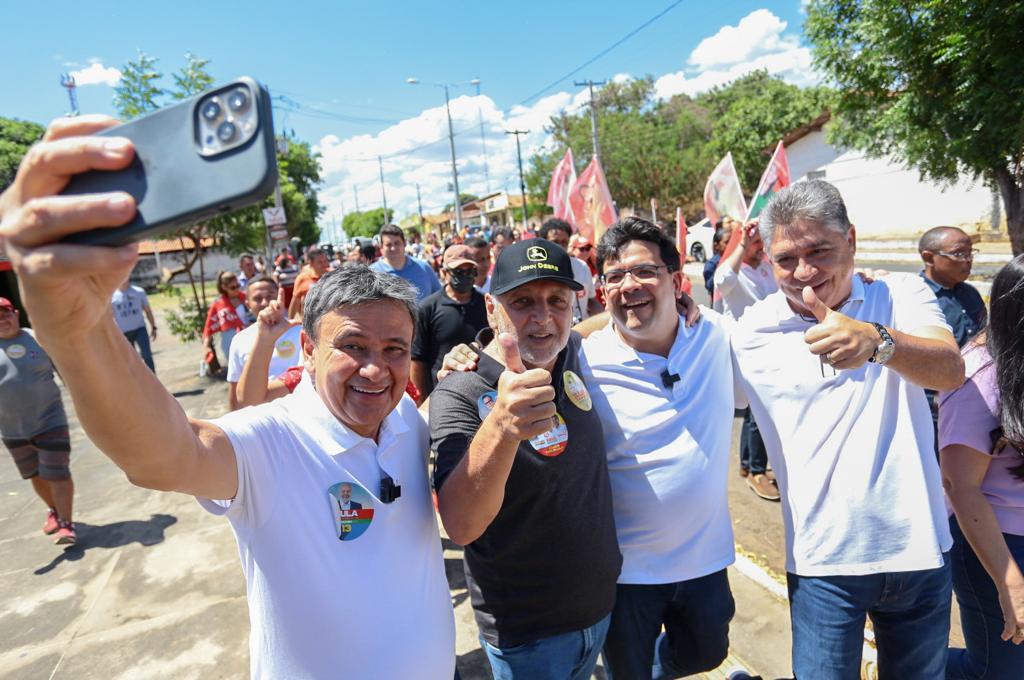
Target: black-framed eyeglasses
[(965, 256), (642, 273)]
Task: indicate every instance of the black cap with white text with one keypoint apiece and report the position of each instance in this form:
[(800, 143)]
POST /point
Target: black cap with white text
[(534, 259)]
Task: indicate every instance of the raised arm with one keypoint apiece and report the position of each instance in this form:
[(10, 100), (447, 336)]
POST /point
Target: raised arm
[(253, 384), (67, 290)]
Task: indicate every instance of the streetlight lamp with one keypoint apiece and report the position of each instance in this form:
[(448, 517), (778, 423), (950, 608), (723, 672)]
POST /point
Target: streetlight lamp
[(451, 140)]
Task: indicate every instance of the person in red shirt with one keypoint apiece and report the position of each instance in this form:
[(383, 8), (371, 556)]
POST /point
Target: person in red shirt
[(227, 314), (318, 266)]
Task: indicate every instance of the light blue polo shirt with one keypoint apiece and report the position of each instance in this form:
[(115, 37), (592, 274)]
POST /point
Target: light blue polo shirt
[(416, 272)]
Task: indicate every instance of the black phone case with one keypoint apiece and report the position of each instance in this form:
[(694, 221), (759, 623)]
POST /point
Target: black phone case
[(173, 185)]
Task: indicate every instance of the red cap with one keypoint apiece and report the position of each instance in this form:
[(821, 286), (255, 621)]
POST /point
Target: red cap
[(457, 255)]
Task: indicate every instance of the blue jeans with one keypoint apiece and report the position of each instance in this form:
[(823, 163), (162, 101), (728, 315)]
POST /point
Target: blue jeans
[(140, 339), (753, 453), (909, 611), (987, 654), (570, 656), (696, 615)]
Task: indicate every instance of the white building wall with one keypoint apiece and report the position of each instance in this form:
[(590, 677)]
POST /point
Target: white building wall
[(885, 199)]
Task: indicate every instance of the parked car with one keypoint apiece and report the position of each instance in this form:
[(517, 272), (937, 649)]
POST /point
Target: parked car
[(699, 240)]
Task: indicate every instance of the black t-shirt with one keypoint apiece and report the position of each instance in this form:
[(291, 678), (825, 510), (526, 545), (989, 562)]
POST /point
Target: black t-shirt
[(441, 324), (548, 563)]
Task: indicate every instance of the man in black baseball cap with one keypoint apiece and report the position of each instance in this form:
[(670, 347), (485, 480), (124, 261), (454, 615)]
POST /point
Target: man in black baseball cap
[(521, 471)]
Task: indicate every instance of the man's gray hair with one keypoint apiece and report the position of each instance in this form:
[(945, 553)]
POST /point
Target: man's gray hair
[(354, 284), (812, 200)]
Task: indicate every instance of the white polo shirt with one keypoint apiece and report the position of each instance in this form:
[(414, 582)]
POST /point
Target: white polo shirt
[(375, 605), (287, 352), (853, 452), (735, 291), (668, 449)]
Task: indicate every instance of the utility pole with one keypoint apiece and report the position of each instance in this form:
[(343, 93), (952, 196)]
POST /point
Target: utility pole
[(383, 195), (455, 171), (483, 141), (593, 113), (68, 81), (355, 190), (522, 184), (419, 203)]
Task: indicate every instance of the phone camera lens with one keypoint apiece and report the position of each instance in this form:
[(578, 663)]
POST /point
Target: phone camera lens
[(238, 100), (226, 131), (211, 111)]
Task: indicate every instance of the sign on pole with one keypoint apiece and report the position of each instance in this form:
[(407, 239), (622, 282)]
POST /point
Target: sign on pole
[(274, 216)]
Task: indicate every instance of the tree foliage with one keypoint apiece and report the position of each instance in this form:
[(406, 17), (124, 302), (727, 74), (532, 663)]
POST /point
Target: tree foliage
[(937, 84), (138, 91), (366, 223), (666, 149), (16, 136)]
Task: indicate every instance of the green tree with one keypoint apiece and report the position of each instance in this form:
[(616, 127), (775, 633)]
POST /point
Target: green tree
[(937, 84), (752, 114), (465, 198), (16, 137), (137, 93), (366, 223)]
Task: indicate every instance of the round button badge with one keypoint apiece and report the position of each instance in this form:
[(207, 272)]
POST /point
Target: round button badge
[(16, 351), (351, 508), (576, 390)]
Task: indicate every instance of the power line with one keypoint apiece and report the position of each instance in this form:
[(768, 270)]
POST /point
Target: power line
[(603, 52)]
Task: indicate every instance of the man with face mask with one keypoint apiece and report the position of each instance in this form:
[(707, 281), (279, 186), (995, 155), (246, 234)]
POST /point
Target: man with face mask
[(451, 316)]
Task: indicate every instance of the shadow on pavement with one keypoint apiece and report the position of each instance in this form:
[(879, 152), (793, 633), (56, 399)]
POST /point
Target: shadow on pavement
[(116, 535)]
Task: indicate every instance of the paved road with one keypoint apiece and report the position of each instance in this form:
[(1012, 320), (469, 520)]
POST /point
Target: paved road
[(154, 589)]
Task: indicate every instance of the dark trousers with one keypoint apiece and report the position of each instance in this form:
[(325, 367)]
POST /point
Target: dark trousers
[(696, 616), (987, 654), (140, 339), (753, 454)]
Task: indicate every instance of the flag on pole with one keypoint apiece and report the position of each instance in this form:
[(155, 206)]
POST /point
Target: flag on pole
[(562, 181), (591, 203), (723, 196), (681, 233), (774, 180)]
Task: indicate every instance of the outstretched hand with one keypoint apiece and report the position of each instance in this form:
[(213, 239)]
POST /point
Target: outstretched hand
[(67, 288), (273, 322), (840, 340), (459, 359)]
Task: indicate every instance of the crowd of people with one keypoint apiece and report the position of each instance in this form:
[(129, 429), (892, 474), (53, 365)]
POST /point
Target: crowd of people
[(579, 412)]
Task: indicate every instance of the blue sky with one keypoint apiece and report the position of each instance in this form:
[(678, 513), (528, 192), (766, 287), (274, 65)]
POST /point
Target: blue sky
[(340, 60)]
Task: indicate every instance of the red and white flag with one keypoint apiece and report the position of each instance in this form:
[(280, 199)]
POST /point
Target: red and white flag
[(562, 181), (723, 196), (591, 203), (774, 180)]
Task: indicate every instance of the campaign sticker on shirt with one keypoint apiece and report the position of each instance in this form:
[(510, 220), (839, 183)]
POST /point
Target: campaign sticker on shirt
[(485, 404), (285, 349), (16, 351), (577, 391), (552, 442), (352, 509)]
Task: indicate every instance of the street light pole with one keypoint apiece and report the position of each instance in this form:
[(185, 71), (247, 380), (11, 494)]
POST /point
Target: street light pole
[(522, 184), (455, 172), (383, 194), (593, 115), (483, 140), (451, 143)]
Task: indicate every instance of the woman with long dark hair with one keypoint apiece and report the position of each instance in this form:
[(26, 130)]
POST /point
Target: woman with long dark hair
[(981, 434), (227, 315)]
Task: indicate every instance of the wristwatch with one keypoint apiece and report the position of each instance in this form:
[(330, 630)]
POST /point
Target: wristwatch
[(885, 349)]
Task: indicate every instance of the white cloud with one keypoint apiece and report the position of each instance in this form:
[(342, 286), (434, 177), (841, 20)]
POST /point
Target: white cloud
[(416, 150), (96, 74), (756, 42)]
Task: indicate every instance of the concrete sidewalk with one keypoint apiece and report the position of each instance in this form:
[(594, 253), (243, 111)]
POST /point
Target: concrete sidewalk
[(154, 589)]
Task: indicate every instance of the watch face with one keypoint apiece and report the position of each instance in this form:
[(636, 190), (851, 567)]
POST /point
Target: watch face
[(885, 352)]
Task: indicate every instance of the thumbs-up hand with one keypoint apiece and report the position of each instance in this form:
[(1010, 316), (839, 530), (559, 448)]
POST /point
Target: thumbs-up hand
[(525, 406), (273, 321), (840, 340)]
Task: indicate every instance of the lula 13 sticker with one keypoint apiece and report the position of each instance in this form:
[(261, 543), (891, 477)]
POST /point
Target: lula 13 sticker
[(352, 509), (285, 349), (552, 442), (577, 391), (16, 351)]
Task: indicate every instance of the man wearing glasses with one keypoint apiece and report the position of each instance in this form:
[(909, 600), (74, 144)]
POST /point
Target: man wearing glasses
[(948, 254)]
